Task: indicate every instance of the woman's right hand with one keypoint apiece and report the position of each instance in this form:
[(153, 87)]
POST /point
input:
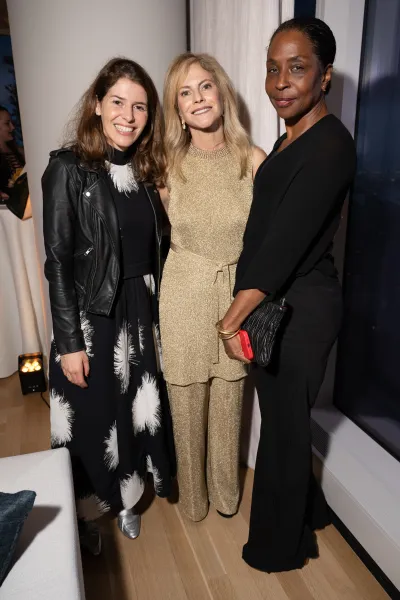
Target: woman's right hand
[(75, 367)]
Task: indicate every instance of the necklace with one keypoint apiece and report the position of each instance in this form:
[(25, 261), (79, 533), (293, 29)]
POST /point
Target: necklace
[(216, 147)]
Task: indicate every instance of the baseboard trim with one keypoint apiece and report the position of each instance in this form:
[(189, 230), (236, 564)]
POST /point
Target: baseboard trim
[(368, 561), (361, 482)]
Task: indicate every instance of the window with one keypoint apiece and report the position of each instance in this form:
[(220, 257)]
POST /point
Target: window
[(368, 371)]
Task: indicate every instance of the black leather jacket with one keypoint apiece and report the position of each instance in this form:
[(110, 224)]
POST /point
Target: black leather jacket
[(82, 243)]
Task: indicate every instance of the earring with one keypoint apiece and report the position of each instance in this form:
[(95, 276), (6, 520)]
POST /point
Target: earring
[(183, 125)]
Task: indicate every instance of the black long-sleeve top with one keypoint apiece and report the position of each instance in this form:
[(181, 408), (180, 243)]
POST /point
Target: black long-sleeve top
[(298, 197)]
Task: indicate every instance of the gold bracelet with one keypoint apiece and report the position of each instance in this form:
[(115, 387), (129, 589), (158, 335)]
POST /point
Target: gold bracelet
[(224, 334), (225, 331), (228, 337)]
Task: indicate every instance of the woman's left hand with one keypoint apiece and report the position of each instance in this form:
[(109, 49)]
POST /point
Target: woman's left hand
[(233, 348)]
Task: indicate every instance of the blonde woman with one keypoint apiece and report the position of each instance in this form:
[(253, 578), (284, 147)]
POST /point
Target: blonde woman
[(211, 166)]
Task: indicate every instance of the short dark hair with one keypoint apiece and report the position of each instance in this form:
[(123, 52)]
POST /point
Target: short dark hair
[(319, 34)]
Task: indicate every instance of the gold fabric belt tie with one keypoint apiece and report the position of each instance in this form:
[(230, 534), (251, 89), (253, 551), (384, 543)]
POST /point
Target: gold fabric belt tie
[(222, 288)]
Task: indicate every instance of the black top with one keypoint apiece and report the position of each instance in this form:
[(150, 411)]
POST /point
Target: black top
[(298, 197), (135, 216)]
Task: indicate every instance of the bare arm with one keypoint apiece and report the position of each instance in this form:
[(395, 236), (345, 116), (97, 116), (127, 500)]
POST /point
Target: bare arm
[(258, 157), (164, 195)]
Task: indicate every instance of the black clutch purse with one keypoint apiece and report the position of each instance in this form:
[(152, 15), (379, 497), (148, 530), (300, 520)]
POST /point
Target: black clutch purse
[(261, 326)]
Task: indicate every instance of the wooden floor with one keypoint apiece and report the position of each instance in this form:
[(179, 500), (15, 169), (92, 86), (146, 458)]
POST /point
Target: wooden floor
[(179, 560)]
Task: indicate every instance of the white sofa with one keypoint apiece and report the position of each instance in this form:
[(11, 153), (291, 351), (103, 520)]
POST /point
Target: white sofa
[(48, 562)]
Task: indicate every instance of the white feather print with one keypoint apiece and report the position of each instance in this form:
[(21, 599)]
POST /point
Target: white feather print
[(157, 340), (61, 419), (146, 406), (151, 284), (132, 488), (141, 337), (124, 356), (57, 356), (90, 507), (123, 177), (156, 475), (111, 456), (87, 330)]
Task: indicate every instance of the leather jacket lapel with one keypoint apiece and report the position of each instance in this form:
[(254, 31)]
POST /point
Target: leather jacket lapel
[(98, 194)]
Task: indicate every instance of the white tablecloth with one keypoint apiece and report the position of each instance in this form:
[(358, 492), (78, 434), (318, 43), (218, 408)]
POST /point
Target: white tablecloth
[(21, 308)]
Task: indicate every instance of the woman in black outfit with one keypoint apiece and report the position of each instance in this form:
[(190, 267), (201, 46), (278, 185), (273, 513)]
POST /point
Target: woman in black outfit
[(298, 196), (102, 232)]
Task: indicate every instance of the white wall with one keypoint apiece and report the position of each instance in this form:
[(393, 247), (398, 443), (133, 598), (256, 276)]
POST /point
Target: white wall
[(346, 19), (58, 48)]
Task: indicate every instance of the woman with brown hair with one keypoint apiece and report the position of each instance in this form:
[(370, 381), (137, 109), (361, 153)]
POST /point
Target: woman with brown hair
[(102, 231), (211, 165)]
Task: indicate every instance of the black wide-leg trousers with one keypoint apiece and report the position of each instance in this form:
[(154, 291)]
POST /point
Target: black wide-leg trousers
[(287, 503)]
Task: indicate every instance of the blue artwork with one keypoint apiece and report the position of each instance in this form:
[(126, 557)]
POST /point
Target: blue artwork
[(8, 88)]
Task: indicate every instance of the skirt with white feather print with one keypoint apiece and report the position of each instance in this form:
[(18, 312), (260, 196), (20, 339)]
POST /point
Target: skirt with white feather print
[(119, 428)]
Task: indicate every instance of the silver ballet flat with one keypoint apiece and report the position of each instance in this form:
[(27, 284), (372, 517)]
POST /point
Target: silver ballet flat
[(129, 523), (89, 537)]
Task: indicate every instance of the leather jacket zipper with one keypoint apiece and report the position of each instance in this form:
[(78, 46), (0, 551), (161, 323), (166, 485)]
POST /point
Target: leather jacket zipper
[(159, 243), (91, 275), (84, 252)]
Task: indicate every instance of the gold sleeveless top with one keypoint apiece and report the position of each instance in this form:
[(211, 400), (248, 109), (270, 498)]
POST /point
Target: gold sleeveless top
[(208, 212)]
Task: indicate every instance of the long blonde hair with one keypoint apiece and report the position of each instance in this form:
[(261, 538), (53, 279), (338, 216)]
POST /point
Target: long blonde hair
[(177, 140)]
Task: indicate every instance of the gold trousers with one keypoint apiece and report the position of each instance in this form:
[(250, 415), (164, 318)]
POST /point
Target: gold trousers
[(206, 421)]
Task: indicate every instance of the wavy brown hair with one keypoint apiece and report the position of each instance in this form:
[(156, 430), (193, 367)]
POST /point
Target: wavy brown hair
[(177, 140), (85, 134)]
